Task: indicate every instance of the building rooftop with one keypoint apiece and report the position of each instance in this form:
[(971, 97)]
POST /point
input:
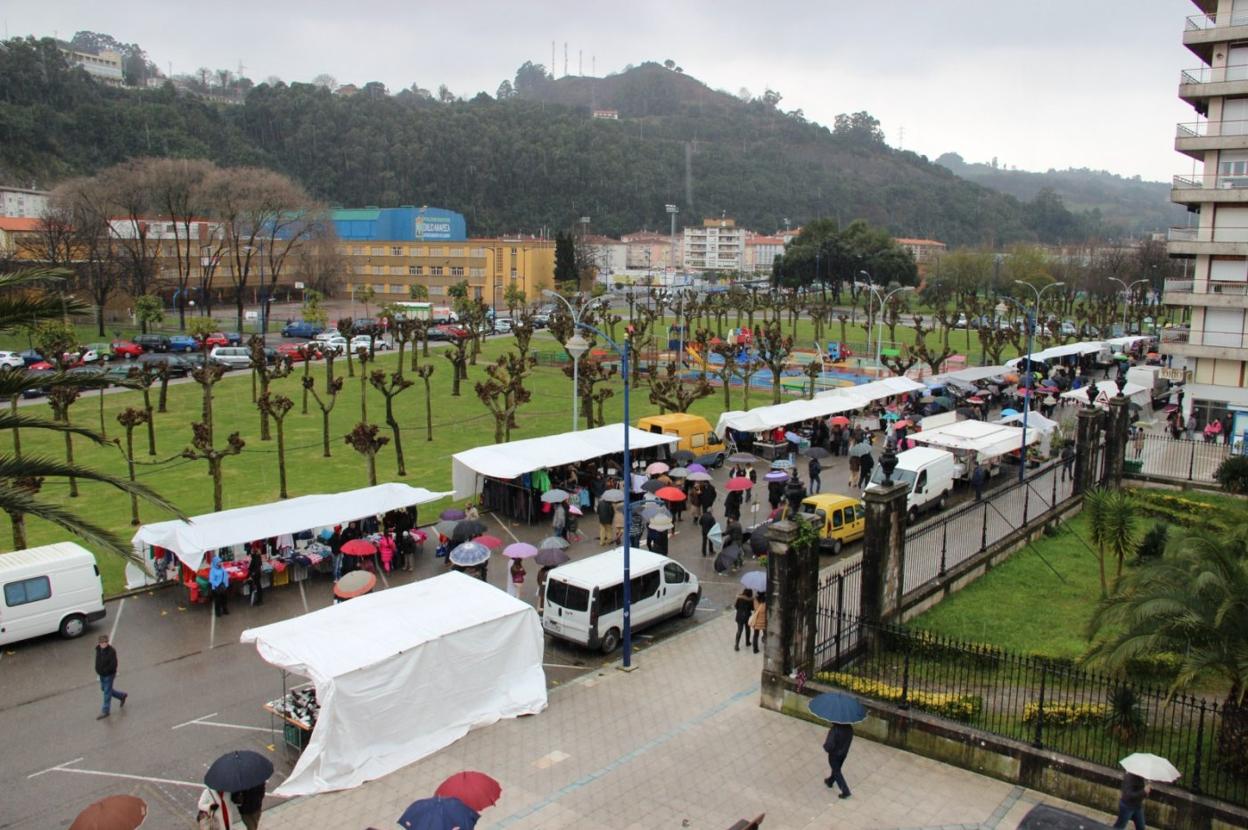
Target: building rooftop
[(18, 223)]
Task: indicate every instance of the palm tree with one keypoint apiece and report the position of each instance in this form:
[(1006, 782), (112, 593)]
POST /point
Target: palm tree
[(1193, 603), (1111, 523), (23, 300)]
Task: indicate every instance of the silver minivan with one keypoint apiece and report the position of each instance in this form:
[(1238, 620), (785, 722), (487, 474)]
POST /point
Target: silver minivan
[(233, 357), (585, 599), (54, 588)]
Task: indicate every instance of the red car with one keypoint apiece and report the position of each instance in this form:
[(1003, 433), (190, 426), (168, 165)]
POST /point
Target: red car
[(126, 348), (217, 338), (447, 331), (297, 351)]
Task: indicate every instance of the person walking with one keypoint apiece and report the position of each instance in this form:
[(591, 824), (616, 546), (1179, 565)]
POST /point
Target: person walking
[(387, 548), (836, 744), (219, 584), (855, 468), (707, 496), (706, 522), (865, 464), (978, 476), (744, 607), (606, 515), (695, 502), (255, 574), (106, 668), (758, 619), (559, 521), (542, 574), (516, 574), (1138, 441), (216, 811), (814, 468), (250, 803), (1131, 801), (1190, 428), (1068, 461)]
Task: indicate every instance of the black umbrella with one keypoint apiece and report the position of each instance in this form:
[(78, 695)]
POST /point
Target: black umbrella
[(551, 557), (653, 486), (816, 452), (727, 559), (758, 541), (237, 771), (467, 530), (682, 457), (742, 458)]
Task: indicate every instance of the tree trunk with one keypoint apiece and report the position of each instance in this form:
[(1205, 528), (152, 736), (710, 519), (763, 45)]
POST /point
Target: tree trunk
[(151, 422), (454, 380), (253, 385), (350, 363), (18, 521), (775, 386), (99, 323), (17, 434), (181, 311), (265, 434), (424, 343), (325, 432), (363, 396), (134, 500), (428, 412), (281, 459), (69, 458), (307, 370), (103, 431), (238, 301), (214, 469), (398, 437), (402, 350), (162, 403), (372, 468)]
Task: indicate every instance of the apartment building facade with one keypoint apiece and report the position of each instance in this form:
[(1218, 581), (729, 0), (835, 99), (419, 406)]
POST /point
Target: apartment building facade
[(717, 245), (1215, 244)]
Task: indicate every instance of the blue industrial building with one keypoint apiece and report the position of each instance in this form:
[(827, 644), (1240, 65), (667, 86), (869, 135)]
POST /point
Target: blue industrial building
[(401, 224)]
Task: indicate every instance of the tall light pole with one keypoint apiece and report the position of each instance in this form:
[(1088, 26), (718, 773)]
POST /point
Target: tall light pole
[(672, 210), (579, 345), (870, 285), (1031, 391), (879, 343), (1126, 290), (574, 352)]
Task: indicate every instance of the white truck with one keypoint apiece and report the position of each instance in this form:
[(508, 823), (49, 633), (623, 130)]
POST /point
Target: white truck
[(928, 472), (1150, 377)]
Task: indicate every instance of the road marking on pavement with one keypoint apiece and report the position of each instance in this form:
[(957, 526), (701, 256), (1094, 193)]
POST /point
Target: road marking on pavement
[(65, 767), (203, 721), (121, 606), (303, 595), (627, 757), (212, 631), (504, 526)]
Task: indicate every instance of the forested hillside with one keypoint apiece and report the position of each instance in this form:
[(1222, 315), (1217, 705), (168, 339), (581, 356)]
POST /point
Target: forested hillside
[(530, 158)]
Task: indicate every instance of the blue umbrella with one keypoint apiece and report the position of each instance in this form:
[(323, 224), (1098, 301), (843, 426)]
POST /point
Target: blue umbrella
[(438, 814), (838, 708), (755, 581), (1005, 413), (469, 554)]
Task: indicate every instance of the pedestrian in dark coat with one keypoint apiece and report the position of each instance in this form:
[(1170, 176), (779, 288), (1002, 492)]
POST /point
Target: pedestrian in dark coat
[(250, 802), (977, 480), (836, 744), (732, 504), (706, 523), (775, 493), (1131, 802), (744, 608), (255, 570), (865, 463), (706, 499), (106, 668), (814, 468)]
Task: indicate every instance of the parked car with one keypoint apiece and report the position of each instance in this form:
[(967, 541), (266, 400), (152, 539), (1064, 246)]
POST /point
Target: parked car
[(127, 349), (361, 341), (363, 325), (296, 352), (234, 338), (104, 351), (327, 335), (182, 343), (30, 357), (503, 325), (335, 344), (839, 519), (152, 342), (82, 356), (302, 328), (51, 589), (11, 360), (217, 338), (232, 357), (447, 331)]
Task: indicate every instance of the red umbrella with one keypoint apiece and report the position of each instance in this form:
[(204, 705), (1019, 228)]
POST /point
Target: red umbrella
[(359, 547), (738, 483), (476, 789), (839, 421), (116, 812), (670, 494), (491, 542)]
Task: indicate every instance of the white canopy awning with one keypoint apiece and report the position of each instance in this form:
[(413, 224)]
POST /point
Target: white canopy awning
[(402, 673), (1127, 341), (1057, 352), (985, 439), (212, 531), (1107, 389), (968, 375), (1233, 396), (763, 418), (515, 458), (1035, 421)]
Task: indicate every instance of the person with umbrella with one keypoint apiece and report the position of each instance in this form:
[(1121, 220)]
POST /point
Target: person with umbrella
[(559, 521), (758, 618), (516, 574), (606, 517), (743, 607), (215, 812), (705, 523), (1139, 769), (843, 711), (814, 468)]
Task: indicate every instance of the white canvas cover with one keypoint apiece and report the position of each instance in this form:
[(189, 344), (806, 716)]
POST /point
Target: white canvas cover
[(968, 375), (1035, 421), (515, 458), (1107, 389), (190, 540), (985, 439), (762, 418), (1055, 352), (404, 672)]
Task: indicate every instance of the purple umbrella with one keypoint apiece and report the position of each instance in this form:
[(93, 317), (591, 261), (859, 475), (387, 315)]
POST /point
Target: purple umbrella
[(452, 514), (696, 468), (519, 550), (776, 475)]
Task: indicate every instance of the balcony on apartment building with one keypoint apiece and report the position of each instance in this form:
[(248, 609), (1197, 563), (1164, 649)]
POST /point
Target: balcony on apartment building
[(1196, 138), (1199, 188), (1182, 342), (1222, 240), (1198, 85), (1205, 293), (1204, 31)]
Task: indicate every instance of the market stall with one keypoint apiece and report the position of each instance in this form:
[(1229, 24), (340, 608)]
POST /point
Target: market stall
[(500, 466), (402, 673), (973, 441), (231, 531), (1045, 428), (1106, 390)]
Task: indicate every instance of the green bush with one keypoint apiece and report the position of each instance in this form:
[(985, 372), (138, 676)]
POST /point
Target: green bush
[(1156, 669), (1153, 545), (1232, 474)]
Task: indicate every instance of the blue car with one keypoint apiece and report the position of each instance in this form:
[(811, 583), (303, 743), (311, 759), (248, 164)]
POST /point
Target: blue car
[(182, 343), (234, 338), (302, 328)]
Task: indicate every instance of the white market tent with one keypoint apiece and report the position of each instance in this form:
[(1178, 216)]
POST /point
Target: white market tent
[(1068, 350), (404, 672), (189, 541), (980, 437), (515, 458), (1127, 342), (1037, 423), (1108, 389), (967, 375), (831, 402)]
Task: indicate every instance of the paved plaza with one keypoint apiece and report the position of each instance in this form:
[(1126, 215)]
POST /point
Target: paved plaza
[(679, 743)]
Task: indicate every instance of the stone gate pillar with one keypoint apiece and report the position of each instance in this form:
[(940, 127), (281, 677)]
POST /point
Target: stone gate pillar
[(884, 545)]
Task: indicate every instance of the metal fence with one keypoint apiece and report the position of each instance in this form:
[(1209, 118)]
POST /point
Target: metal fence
[(1051, 704), (1175, 458), (840, 592)]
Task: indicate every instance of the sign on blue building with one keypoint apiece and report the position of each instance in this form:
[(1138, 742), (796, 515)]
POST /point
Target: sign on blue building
[(401, 224)]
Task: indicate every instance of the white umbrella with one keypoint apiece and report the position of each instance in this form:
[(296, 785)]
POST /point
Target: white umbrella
[(1149, 766), (555, 496)]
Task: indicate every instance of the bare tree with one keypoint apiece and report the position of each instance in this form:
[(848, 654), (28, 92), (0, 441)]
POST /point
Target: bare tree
[(774, 349), (178, 192), (83, 205), (503, 391), (365, 440), (129, 419), (202, 448), (130, 205), (278, 407), (332, 388), (424, 372), (671, 394), (390, 387), (266, 373), (457, 354)]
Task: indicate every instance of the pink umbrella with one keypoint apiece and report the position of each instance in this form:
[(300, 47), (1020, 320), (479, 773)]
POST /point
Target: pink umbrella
[(738, 483), (657, 468), (575, 510), (359, 547), (519, 550)]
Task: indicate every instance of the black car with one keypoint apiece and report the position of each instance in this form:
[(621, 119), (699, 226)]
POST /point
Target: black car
[(178, 366), (363, 325), (152, 342)]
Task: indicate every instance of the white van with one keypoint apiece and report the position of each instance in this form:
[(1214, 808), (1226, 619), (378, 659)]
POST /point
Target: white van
[(51, 588), (585, 599), (928, 471)]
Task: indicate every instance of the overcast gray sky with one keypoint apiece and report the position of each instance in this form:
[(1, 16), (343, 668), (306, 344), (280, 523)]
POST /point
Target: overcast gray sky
[(1039, 84)]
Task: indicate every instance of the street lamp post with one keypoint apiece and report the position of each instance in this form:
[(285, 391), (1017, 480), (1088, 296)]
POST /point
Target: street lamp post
[(1031, 391), (572, 351), (1126, 299), (672, 210), (879, 343), (870, 285), (578, 345)]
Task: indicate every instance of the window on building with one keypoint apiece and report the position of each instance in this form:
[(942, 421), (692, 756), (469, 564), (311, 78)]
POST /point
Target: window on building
[(357, 251), (476, 272), (378, 270), (457, 251), (476, 292), (457, 270), (513, 251), (396, 250), (379, 251), (416, 270), (435, 270), (437, 290), (478, 251), (435, 252), (361, 269), (396, 269), (513, 275)]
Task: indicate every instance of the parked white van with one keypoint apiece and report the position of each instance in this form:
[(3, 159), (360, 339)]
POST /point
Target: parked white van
[(46, 589), (930, 474), (585, 599)]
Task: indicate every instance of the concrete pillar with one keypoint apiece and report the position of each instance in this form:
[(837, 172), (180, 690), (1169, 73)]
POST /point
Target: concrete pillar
[(1117, 427), (782, 592), (1087, 436), (883, 552)]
